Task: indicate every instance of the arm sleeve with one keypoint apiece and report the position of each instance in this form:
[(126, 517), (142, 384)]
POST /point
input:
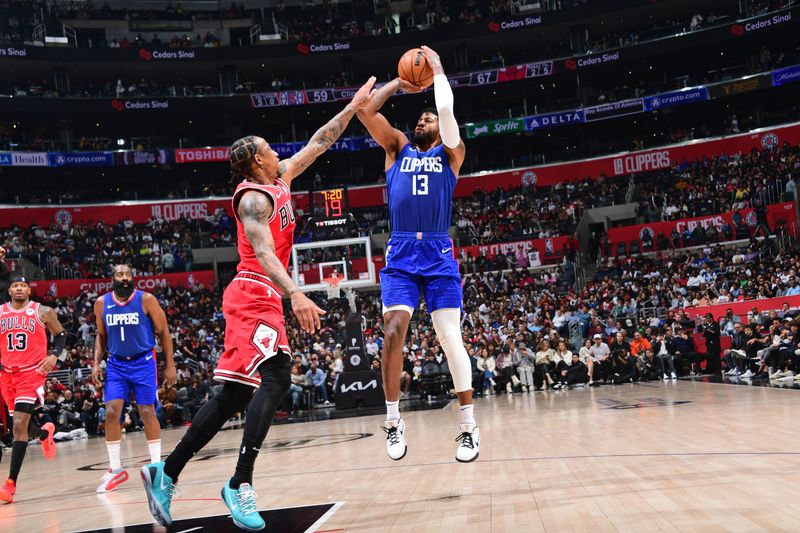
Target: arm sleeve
[(448, 127)]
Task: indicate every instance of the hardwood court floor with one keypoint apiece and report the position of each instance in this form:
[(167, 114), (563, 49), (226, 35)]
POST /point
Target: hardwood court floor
[(685, 456)]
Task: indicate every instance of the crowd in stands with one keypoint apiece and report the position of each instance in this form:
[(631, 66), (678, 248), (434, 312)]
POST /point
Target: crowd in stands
[(524, 331), (90, 250), (718, 185)]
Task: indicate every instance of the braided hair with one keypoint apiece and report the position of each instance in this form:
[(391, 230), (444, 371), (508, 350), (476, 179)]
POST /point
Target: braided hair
[(242, 153)]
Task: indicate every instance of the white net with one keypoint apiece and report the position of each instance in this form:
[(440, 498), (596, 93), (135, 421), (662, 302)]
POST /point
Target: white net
[(332, 287)]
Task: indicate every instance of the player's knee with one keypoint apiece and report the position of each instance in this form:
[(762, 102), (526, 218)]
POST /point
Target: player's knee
[(20, 427), (394, 330)]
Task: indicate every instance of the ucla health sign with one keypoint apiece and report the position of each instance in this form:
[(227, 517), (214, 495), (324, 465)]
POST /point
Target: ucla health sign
[(5, 159), (564, 118), (675, 98)]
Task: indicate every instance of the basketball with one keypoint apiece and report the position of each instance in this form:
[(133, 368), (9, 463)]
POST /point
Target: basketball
[(414, 68)]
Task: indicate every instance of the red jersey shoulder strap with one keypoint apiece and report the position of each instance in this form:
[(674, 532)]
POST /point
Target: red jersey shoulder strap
[(36, 308), (248, 186)]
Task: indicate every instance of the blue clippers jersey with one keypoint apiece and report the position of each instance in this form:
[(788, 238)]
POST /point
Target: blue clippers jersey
[(129, 329), (419, 186)]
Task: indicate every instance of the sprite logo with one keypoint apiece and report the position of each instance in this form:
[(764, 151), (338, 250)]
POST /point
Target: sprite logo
[(506, 127), (495, 127)]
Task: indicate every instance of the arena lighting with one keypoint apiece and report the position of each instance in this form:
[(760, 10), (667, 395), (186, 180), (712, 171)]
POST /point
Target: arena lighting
[(120, 142)]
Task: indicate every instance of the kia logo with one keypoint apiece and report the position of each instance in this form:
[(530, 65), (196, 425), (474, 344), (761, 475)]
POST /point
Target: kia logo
[(737, 29), (145, 54), (117, 105), (493, 26), (303, 49), (571, 64)]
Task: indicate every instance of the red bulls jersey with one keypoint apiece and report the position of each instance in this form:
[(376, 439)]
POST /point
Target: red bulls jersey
[(23, 336), (281, 224)]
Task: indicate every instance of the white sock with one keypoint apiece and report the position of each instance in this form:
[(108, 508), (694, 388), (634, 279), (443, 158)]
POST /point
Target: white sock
[(393, 410), (114, 462), (467, 414), (154, 446)]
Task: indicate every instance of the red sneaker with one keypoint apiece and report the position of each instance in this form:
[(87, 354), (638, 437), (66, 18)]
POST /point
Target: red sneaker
[(48, 444), (7, 491), (111, 480)]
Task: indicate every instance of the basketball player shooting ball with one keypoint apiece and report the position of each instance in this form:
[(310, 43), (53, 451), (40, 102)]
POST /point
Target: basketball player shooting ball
[(257, 354), (420, 178)]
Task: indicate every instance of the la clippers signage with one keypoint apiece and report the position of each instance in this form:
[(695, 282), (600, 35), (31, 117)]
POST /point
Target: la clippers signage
[(547, 248), (777, 214), (60, 288), (139, 213), (741, 308), (201, 155), (375, 195)]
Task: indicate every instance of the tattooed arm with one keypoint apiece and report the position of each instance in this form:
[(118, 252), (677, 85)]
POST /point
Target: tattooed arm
[(325, 136), (255, 210)]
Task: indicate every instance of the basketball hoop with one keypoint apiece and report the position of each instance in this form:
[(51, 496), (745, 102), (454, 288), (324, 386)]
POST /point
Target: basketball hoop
[(332, 287)]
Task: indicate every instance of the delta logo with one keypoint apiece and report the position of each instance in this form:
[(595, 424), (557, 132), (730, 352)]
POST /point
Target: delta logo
[(303, 49), (737, 30), (117, 105), (571, 64), (145, 54)]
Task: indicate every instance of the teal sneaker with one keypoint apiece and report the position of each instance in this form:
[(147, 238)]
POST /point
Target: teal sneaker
[(242, 505), (159, 489)]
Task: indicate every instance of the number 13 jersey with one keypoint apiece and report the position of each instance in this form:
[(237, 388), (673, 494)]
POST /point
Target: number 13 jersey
[(23, 336), (419, 189)]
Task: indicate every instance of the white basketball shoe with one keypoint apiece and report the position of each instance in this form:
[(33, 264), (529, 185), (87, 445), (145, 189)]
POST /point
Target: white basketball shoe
[(395, 438), (468, 443)]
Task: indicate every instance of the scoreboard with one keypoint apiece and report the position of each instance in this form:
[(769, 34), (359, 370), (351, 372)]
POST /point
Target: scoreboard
[(329, 207)]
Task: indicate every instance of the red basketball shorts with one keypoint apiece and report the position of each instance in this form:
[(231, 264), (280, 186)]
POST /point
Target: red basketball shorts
[(26, 386), (254, 328)]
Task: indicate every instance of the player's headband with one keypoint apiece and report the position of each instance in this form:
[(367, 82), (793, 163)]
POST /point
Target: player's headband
[(19, 279)]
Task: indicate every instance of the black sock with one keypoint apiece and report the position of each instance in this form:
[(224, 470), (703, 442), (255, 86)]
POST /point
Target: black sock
[(206, 423), (275, 381), (18, 449)]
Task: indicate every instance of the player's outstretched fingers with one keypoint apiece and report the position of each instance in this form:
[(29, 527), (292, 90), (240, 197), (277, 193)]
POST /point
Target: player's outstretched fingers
[(316, 313)]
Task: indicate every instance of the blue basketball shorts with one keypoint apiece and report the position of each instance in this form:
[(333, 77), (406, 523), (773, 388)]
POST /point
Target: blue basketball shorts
[(139, 376), (421, 263)]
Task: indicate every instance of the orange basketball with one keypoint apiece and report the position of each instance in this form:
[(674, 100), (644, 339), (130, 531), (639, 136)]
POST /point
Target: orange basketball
[(414, 68)]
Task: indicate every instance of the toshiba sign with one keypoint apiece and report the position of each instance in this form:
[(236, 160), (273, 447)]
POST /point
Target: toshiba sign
[(201, 155)]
